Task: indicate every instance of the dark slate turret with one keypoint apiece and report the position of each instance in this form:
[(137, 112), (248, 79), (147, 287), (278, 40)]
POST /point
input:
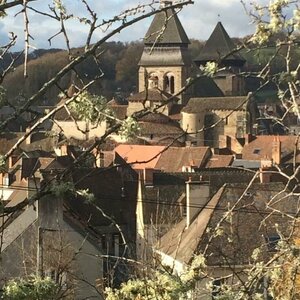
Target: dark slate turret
[(167, 36), (166, 57), (166, 29), (220, 45)]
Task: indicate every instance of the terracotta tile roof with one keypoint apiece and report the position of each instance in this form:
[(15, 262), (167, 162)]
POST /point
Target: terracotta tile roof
[(174, 158), (140, 153), (196, 105), (261, 147), (154, 95), (219, 161), (166, 28)]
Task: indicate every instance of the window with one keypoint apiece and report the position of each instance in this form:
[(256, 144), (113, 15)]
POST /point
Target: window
[(272, 241), (216, 288), (116, 244), (169, 83), (256, 151)]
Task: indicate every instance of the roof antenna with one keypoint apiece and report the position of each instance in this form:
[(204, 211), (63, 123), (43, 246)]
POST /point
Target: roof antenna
[(219, 18)]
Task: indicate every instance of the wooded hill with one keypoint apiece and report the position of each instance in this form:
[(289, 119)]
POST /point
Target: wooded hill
[(119, 63)]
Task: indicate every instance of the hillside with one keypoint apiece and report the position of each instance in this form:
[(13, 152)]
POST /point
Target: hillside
[(118, 63)]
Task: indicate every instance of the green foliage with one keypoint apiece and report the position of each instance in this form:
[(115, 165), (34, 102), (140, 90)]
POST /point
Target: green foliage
[(90, 107), (130, 128), (33, 288), (89, 197), (209, 69), (60, 189), (2, 163), (161, 285)]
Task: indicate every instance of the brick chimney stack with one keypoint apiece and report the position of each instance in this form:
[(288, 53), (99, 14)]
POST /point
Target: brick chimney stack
[(276, 150)]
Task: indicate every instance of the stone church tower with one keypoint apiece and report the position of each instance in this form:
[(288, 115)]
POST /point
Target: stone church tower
[(165, 63), (220, 48)]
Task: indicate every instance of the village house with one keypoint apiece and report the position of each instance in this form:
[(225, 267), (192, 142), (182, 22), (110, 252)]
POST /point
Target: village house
[(227, 229)]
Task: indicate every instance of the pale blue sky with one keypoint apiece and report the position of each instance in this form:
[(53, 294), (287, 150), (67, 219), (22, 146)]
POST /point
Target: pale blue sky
[(198, 20)]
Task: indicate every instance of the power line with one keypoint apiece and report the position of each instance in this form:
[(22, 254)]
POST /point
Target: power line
[(174, 204)]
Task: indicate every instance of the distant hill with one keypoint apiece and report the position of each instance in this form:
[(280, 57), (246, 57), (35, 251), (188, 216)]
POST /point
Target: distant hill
[(119, 63)]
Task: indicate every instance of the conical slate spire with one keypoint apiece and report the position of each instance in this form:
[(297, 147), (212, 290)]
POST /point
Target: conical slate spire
[(217, 46), (166, 29)]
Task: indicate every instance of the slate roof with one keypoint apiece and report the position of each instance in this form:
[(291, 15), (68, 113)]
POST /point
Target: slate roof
[(206, 87), (155, 95), (114, 194), (181, 243), (63, 114), (245, 233), (218, 45), (248, 164), (197, 105), (39, 140), (165, 56), (160, 205), (166, 28)]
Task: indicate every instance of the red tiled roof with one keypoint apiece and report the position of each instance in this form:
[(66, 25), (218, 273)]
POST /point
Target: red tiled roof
[(149, 155), (261, 147), (219, 161), (174, 158)]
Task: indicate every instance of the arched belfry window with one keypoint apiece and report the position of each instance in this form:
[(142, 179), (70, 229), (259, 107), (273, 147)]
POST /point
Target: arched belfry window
[(169, 83), (172, 85)]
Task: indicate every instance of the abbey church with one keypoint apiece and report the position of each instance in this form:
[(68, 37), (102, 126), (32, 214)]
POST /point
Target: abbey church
[(165, 68)]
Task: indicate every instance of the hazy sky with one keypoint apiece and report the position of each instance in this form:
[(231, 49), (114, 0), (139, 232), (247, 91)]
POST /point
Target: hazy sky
[(198, 20)]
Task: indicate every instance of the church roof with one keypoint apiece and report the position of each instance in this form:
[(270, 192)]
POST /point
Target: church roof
[(217, 46), (166, 28), (196, 105), (154, 94)]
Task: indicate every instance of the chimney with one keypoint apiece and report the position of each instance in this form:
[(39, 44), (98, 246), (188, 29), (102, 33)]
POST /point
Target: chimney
[(148, 176), (28, 138), (265, 166), (10, 161), (276, 150), (264, 176), (33, 185), (197, 196), (63, 150), (165, 3), (249, 138)]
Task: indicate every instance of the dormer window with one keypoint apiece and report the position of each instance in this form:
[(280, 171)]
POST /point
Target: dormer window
[(256, 151)]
